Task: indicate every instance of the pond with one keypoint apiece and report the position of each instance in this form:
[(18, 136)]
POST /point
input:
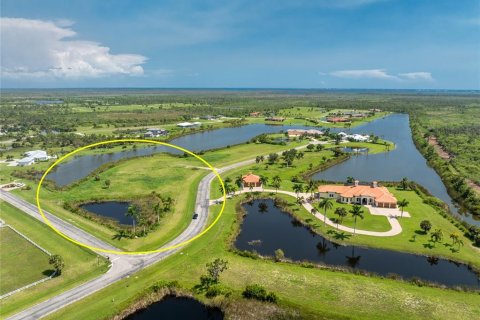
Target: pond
[(404, 161), (275, 229), (114, 210), (176, 308), (82, 166)]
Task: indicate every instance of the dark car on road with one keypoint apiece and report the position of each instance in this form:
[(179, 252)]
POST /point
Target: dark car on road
[(195, 216)]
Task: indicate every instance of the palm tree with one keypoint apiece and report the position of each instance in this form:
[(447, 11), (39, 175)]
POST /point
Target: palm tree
[(460, 243), (221, 188), (297, 188), (239, 181), (313, 211), (325, 204), (455, 237), (341, 212), (436, 236), (310, 187), (263, 181), (167, 203), (404, 183), (356, 212), (402, 204), (276, 182), (132, 212)]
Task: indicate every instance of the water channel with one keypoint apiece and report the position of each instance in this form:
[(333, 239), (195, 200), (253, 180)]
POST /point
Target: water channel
[(267, 231), (404, 161)]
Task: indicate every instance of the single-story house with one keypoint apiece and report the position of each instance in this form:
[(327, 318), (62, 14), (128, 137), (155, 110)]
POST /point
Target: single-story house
[(337, 119), (370, 194), (251, 180), (33, 156), (302, 132), (355, 137), (155, 132), (277, 119), (38, 155), (27, 161)]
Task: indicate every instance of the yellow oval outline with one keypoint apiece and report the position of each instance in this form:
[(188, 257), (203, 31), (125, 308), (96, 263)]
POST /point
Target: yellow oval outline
[(130, 252)]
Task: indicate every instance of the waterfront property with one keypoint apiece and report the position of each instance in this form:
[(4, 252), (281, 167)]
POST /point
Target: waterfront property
[(155, 132), (33, 156), (354, 137), (250, 181), (370, 194), (292, 133), (275, 119), (337, 119)]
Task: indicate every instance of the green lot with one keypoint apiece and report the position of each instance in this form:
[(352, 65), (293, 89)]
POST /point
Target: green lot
[(411, 239), (22, 263), (316, 293), (130, 179), (80, 264)]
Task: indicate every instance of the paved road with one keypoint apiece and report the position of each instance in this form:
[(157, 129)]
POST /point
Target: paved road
[(391, 214), (122, 266)]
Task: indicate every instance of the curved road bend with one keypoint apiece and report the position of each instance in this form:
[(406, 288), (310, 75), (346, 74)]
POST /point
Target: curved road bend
[(122, 266)]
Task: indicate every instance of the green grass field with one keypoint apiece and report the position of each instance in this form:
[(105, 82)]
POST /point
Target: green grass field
[(80, 264), (315, 293), (411, 239), (130, 179), (22, 263)]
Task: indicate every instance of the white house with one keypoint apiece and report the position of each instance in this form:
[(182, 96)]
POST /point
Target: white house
[(33, 156)]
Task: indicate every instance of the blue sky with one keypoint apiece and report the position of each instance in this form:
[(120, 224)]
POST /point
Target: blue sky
[(267, 44)]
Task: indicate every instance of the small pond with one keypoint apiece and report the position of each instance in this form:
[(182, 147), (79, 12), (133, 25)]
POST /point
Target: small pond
[(114, 210), (177, 308), (267, 231)]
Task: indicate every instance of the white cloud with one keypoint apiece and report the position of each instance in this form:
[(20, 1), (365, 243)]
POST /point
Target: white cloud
[(39, 49), (359, 74), (417, 76), (380, 74)]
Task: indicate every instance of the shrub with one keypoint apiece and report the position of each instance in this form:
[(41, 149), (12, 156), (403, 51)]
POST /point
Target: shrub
[(257, 292)]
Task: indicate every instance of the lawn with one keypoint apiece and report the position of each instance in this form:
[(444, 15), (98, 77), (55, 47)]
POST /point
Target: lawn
[(22, 262), (80, 264), (131, 179), (316, 293), (369, 222), (412, 239)]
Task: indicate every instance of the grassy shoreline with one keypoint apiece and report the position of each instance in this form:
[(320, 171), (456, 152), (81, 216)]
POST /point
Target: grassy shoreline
[(313, 292)]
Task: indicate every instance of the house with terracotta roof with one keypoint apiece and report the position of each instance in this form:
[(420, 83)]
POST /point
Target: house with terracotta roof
[(337, 119), (371, 194), (301, 132), (251, 180)]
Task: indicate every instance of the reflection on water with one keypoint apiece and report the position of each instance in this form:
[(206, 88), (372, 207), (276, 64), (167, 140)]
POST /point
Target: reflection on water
[(273, 229), (114, 210), (176, 308)]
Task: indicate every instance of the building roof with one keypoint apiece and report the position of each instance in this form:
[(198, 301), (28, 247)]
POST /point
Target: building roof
[(251, 178), (381, 194), (36, 154), (299, 132)]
